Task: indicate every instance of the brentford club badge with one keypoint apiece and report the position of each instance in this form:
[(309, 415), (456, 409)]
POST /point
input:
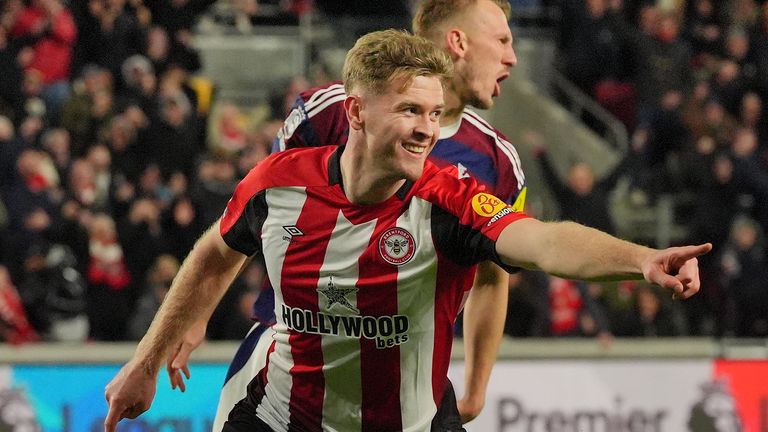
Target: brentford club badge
[(397, 246)]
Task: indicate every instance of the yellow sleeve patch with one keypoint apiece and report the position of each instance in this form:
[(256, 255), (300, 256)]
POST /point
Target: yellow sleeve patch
[(487, 205)]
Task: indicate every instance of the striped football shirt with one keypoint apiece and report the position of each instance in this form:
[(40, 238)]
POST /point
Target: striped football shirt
[(365, 295)]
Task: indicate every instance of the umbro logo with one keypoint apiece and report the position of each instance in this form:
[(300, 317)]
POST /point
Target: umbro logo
[(293, 231)]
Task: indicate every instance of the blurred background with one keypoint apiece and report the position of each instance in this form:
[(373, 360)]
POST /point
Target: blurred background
[(126, 124)]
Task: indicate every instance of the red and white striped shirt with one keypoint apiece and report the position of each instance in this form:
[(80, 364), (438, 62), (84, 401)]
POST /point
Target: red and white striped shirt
[(365, 296)]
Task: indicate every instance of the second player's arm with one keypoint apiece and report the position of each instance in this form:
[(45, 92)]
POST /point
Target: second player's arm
[(484, 316), (178, 357)]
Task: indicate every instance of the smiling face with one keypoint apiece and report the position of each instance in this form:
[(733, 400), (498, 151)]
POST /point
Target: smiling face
[(487, 56), (400, 125)]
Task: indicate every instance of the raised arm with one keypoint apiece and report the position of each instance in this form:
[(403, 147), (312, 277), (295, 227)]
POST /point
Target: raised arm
[(202, 280), (574, 251)]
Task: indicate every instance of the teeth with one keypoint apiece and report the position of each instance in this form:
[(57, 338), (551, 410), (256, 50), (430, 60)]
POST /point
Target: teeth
[(414, 148)]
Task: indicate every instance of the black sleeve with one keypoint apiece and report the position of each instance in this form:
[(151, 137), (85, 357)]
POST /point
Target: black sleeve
[(244, 235), (462, 243)]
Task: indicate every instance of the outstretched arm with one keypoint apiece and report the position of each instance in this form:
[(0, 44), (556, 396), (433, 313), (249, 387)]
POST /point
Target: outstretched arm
[(574, 251), (203, 278), (484, 315)]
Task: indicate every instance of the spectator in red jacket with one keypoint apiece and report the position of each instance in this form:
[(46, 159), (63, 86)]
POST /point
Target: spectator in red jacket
[(47, 31)]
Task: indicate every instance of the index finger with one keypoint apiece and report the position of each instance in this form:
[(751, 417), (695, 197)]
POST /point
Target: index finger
[(688, 252), (113, 416)]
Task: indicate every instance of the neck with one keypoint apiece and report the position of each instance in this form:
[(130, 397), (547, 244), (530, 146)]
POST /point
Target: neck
[(363, 182), (453, 107)]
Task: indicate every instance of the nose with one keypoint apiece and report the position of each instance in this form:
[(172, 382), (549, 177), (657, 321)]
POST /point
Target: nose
[(425, 127), (510, 58)]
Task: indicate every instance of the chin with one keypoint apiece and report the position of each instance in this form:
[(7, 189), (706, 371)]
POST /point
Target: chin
[(413, 175), (481, 102)]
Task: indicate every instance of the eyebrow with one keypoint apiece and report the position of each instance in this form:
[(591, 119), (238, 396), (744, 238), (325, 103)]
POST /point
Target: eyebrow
[(404, 105)]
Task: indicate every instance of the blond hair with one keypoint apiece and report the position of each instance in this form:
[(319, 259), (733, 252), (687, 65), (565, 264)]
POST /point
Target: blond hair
[(431, 14), (380, 57)]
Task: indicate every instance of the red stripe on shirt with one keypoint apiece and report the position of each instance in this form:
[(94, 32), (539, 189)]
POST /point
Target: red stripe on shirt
[(380, 367)]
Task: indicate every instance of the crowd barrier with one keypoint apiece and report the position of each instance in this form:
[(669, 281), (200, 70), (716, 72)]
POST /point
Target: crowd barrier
[(547, 385)]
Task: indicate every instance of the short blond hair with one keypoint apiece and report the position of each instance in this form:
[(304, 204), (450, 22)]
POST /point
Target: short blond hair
[(431, 14), (380, 57)]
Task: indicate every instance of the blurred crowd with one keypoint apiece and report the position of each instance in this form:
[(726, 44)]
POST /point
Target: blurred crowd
[(114, 158), (689, 81), (115, 155)]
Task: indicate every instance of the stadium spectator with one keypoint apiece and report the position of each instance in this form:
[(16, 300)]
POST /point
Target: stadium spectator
[(759, 49), (703, 28), (109, 34), (11, 99), (751, 172), (744, 271), (594, 40), (177, 16), (650, 316), (84, 189), (141, 235), (729, 85), (232, 317), (172, 139), (182, 226), (215, 182), (48, 32), (121, 137), (109, 298), (54, 293), (162, 52), (153, 292), (751, 115), (56, 143), (581, 198), (14, 324), (80, 113), (664, 65)]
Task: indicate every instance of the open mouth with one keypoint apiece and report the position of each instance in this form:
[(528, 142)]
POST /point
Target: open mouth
[(413, 148), (497, 86)]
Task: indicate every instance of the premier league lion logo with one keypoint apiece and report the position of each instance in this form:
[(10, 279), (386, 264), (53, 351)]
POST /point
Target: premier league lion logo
[(716, 411)]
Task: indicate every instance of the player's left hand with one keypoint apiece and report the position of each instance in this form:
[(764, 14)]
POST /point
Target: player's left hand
[(677, 269), (129, 394), (178, 359)]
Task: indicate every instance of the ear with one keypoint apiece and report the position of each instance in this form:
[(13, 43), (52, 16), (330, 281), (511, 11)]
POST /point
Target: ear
[(456, 43), (353, 107)]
